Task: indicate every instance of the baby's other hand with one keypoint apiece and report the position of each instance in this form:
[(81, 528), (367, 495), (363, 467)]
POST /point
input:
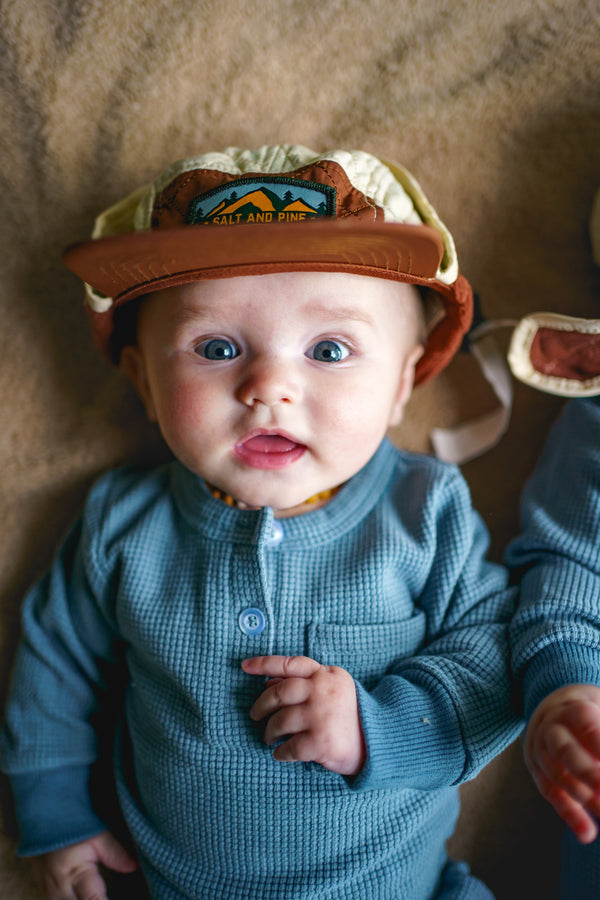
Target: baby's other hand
[(562, 752), (316, 705), (71, 873)]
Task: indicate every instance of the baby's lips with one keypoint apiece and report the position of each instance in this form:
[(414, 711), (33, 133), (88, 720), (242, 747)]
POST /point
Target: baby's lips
[(270, 443), (269, 451)]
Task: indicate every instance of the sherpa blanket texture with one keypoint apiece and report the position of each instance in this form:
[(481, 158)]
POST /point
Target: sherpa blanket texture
[(495, 107)]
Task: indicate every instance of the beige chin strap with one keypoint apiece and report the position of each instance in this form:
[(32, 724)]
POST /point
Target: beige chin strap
[(474, 437)]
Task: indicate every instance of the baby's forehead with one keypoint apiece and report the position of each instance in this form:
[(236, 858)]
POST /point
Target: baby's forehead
[(302, 291)]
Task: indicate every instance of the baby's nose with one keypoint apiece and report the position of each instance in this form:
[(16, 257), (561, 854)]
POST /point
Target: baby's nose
[(269, 383)]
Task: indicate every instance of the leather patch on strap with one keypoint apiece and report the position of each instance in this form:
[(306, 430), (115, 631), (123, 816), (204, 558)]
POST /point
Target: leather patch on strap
[(566, 354), (557, 354)]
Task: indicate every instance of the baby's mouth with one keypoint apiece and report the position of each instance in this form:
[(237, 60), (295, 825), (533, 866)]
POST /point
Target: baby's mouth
[(269, 451)]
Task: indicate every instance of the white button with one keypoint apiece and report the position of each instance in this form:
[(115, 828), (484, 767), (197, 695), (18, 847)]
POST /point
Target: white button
[(252, 621), (276, 534)]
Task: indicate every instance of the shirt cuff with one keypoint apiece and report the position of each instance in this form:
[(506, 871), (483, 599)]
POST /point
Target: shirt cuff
[(412, 736), (557, 666), (53, 809)]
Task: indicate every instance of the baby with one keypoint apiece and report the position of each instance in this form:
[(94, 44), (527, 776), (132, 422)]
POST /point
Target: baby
[(296, 622)]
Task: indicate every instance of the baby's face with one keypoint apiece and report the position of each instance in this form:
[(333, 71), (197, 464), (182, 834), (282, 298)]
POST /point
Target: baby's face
[(276, 387)]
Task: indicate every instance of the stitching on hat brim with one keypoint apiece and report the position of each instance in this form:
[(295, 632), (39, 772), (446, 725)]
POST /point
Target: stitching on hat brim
[(119, 264)]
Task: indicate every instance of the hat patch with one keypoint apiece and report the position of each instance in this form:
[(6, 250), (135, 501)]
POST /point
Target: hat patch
[(262, 200)]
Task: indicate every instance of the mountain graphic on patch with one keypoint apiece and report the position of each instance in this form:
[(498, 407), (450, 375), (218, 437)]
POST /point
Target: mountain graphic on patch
[(261, 200)]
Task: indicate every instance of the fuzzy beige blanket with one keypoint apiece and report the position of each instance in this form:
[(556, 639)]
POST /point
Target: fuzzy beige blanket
[(494, 106)]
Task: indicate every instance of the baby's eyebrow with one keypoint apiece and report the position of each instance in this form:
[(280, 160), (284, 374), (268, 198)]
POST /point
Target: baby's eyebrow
[(186, 314), (346, 312), (323, 311)]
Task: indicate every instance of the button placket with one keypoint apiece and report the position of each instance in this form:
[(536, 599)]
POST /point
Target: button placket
[(254, 620), (276, 535)]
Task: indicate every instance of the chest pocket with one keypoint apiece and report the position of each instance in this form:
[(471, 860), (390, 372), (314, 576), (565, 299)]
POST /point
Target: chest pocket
[(367, 651)]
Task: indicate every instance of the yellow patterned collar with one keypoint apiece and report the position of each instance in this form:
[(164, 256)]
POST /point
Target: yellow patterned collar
[(321, 497)]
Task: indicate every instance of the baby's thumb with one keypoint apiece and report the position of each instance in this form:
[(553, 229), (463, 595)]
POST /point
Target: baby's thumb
[(113, 855)]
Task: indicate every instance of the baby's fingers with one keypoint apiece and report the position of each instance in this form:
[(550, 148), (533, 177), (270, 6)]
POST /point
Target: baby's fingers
[(89, 885), (299, 748), (289, 721), (582, 720), (281, 666), (570, 811), (278, 694), (85, 883), (563, 752)]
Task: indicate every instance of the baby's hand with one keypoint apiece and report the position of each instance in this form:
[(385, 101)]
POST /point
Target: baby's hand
[(316, 705), (562, 752), (71, 873)]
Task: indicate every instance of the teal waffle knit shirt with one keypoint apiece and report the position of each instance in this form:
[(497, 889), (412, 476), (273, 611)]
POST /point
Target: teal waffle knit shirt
[(159, 593)]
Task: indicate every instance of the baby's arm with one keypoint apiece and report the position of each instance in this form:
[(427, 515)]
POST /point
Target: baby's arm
[(316, 705), (554, 634), (66, 677), (562, 752), (72, 872)]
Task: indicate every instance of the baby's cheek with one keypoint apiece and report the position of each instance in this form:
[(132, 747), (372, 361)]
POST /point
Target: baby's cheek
[(179, 416), (186, 406), (354, 436)]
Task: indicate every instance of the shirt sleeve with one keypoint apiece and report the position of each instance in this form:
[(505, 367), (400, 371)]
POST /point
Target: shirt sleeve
[(555, 635), (64, 666), (444, 713)]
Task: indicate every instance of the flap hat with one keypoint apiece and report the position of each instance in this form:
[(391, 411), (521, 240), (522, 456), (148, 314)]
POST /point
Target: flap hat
[(282, 208)]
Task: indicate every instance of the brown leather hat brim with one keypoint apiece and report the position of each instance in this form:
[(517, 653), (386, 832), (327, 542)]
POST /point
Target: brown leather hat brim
[(124, 266)]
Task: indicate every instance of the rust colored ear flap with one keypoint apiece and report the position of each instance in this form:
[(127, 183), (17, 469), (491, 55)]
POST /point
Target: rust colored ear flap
[(449, 333), (557, 354)]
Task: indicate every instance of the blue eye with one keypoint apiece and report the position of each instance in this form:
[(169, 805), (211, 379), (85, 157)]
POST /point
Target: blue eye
[(328, 351), (218, 349)]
